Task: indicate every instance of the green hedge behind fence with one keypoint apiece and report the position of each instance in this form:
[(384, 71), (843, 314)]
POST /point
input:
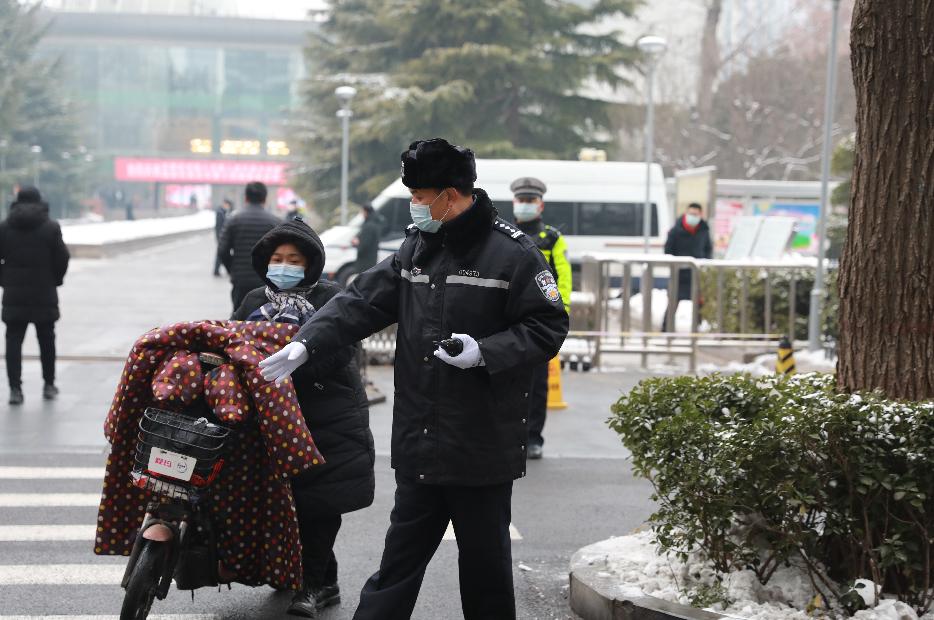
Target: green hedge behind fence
[(732, 288), (758, 472)]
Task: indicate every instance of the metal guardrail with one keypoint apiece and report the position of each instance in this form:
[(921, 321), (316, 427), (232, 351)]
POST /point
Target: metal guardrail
[(607, 286), (601, 312)]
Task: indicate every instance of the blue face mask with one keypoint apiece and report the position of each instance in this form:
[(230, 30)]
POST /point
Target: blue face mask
[(285, 276), (421, 216)]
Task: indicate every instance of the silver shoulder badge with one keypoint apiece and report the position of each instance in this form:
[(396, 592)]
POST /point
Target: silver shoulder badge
[(548, 286), (507, 229)]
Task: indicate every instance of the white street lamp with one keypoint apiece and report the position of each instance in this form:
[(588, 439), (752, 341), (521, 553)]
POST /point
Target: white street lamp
[(817, 293), (652, 47), (4, 143), (345, 95), (36, 151)]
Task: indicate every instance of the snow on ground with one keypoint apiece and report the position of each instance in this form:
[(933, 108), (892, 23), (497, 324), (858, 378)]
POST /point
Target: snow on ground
[(633, 559), (805, 361), (683, 315), (100, 233)]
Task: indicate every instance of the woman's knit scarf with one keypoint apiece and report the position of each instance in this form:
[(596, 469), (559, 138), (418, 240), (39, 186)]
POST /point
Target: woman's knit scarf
[(289, 306)]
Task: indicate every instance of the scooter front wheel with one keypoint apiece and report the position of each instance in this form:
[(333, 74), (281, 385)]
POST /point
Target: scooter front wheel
[(141, 587)]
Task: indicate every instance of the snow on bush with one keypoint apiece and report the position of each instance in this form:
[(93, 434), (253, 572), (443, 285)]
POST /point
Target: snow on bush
[(761, 472)]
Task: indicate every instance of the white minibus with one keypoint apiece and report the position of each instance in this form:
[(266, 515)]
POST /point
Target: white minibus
[(598, 206)]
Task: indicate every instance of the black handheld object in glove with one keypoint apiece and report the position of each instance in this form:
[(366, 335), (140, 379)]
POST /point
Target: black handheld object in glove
[(451, 346)]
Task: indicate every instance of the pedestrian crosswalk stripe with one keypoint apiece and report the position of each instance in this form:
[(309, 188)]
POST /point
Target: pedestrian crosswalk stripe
[(151, 617), (60, 500), (44, 533), (61, 574), (51, 473), (513, 532)]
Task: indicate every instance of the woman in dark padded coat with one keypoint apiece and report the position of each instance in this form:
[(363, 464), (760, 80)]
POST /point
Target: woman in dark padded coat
[(290, 259)]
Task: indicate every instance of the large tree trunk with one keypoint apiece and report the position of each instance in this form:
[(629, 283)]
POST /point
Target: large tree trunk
[(887, 268), (709, 60)]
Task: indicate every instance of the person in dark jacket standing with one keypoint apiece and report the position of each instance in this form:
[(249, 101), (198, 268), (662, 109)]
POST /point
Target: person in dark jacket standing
[(220, 217), (690, 236), (33, 262), (367, 240), (290, 259), (459, 417), (241, 232)]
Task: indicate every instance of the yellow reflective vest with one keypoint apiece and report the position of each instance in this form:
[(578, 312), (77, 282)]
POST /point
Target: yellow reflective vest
[(552, 244)]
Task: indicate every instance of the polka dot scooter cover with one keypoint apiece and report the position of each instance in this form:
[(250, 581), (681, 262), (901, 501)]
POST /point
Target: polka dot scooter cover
[(251, 502)]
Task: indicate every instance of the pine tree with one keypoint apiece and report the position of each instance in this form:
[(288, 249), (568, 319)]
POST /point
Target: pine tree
[(508, 78), (35, 112)]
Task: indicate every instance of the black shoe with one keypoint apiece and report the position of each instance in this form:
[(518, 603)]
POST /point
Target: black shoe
[(535, 452), (16, 396), (49, 392), (308, 601), (328, 595), (303, 604)]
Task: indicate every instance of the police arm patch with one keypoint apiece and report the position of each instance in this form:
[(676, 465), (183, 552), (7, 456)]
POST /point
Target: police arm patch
[(548, 286)]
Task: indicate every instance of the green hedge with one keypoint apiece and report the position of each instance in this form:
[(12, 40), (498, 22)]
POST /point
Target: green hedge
[(761, 472)]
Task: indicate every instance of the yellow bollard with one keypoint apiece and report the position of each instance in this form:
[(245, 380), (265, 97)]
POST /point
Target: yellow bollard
[(785, 364), (555, 399)]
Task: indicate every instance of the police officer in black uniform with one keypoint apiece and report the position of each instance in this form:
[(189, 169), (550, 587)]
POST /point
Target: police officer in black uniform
[(459, 418)]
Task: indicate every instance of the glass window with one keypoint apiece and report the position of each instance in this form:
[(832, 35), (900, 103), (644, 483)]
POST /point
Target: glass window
[(396, 218), (613, 219), (560, 215)]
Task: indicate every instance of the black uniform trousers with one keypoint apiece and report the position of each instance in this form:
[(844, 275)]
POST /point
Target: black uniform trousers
[(481, 517), (538, 404), (15, 333), (318, 534)]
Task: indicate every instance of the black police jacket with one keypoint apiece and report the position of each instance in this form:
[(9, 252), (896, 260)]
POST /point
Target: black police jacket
[(479, 276)]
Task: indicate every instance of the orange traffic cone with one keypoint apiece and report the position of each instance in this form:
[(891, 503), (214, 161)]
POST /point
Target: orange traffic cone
[(555, 399)]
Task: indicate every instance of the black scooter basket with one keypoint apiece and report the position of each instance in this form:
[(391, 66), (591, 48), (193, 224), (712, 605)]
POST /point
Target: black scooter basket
[(193, 437)]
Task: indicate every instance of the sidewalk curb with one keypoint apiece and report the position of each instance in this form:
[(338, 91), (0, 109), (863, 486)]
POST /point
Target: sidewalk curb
[(105, 250), (596, 594)]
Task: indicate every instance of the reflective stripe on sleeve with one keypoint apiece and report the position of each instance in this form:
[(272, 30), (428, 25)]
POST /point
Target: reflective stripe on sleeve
[(471, 281), (419, 279)]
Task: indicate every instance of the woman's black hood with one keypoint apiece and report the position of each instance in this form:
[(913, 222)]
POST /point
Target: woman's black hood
[(298, 233)]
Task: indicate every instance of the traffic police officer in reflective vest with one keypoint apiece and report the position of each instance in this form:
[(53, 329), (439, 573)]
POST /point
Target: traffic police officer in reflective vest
[(528, 207), (459, 417)]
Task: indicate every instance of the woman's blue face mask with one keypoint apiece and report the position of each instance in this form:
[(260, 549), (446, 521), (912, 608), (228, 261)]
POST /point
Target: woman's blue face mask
[(285, 276)]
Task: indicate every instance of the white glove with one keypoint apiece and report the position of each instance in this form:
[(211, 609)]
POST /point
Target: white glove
[(470, 357), (278, 366)]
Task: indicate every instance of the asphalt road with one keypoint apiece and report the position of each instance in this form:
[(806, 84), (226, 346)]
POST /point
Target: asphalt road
[(51, 458)]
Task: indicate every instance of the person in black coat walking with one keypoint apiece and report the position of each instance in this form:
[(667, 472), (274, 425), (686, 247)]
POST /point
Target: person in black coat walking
[(220, 218), (690, 236), (367, 240), (241, 232), (290, 259), (33, 262)]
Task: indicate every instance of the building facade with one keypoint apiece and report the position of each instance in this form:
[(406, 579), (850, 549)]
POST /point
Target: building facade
[(156, 90)]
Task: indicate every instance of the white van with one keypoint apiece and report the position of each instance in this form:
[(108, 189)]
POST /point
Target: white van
[(597, 205)]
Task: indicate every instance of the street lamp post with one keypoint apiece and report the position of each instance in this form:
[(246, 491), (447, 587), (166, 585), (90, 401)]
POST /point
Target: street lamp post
[(36, 151), (345, 95), (817, 293), (652, 47), (3, 147)]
